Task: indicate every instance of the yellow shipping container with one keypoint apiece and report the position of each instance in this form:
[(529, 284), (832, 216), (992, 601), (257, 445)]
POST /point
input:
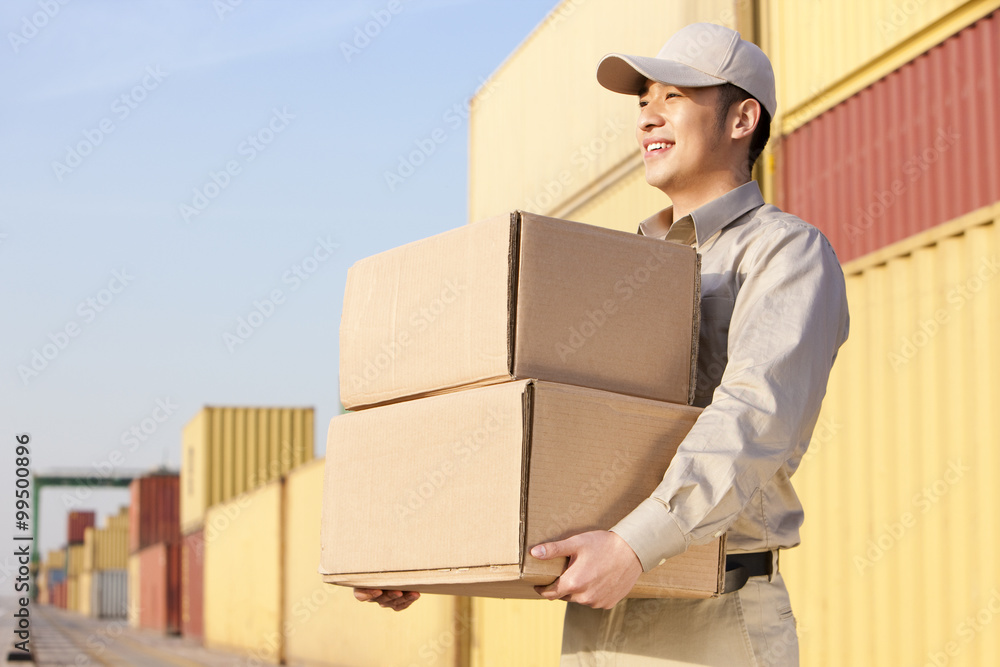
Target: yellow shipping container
[(860, 42), (56, 559), (118, 521), (74, 559), (228, 451), (242, 585), (105, 549), (898, 482), (537, 624), (134, 573), (84, 593), (72, 594), (324, 624)]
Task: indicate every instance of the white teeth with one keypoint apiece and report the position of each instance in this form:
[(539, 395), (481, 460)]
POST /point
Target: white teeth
[(653, 147)]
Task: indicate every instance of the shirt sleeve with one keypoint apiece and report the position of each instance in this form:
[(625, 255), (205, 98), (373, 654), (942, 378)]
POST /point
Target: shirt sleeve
[(789, 319)]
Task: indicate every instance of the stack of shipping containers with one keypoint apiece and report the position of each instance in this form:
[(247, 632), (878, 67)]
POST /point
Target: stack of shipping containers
[(233, 463), (154, 547), (102, 581), (77, 525), (51, 578)]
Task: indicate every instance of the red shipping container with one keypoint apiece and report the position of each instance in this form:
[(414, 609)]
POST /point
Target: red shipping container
[(891, 162), (160, 587), (154, 511), (57, 595), (78, 522), (192, 584)]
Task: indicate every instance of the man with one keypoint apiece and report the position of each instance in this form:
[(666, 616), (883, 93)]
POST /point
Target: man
[(774, 314)]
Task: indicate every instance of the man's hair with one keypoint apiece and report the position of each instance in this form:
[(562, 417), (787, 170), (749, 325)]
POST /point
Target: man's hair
[(730, 95)]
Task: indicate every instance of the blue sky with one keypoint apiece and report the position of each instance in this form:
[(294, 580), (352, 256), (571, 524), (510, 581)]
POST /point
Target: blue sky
[(174, 166)]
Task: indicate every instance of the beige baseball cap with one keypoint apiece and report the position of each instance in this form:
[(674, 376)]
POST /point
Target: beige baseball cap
[(698, 55)]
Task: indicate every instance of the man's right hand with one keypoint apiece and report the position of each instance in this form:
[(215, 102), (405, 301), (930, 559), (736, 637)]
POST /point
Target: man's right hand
[(395, 600)]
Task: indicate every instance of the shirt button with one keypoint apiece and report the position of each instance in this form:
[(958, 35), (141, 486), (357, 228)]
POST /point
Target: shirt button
[(662, 561), (719, 534)]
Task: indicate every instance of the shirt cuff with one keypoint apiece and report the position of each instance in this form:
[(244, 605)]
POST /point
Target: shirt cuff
[(652, 532)]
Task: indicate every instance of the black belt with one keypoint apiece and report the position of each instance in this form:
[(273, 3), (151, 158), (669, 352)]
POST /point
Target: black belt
[(740, 567)]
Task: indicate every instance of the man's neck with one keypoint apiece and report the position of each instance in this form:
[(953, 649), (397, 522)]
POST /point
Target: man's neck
[(688, 200)]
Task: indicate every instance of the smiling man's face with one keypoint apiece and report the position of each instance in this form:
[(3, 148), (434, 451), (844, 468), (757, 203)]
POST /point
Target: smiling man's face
[(679, 135)]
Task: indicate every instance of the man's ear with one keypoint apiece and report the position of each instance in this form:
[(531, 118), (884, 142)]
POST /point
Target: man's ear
[(744, 117)]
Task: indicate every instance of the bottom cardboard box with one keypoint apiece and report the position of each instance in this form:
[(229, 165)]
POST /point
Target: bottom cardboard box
[(447, 494)]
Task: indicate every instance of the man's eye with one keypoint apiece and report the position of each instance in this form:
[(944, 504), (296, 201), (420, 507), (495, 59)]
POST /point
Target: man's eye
[(669, 95), (642, 103)]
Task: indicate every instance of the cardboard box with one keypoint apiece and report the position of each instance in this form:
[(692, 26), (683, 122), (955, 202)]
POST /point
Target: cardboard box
[(448, 493), (516, 297)]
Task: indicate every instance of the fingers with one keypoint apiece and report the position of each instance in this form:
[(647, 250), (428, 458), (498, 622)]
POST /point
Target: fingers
[(551, 550), (395, 600)]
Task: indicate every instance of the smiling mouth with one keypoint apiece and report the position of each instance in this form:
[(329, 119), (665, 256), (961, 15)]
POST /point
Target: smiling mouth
[(658, 147)]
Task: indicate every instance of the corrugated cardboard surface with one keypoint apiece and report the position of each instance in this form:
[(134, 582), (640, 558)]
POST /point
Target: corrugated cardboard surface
[(398, 305), (517, 297), (606, 309), (444, 494)]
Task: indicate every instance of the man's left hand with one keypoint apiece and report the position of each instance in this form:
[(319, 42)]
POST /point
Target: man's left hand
[(602, 569)]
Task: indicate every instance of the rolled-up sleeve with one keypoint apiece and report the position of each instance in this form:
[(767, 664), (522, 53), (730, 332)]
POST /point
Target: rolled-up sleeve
[(789, 319)]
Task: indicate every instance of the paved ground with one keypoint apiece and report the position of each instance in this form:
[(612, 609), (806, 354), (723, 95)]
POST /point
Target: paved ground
[(60, 637)]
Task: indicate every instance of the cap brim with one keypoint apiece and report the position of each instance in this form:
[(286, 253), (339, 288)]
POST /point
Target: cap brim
[(628, 74)]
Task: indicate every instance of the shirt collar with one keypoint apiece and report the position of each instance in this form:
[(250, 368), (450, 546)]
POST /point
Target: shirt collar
[(703, 222)]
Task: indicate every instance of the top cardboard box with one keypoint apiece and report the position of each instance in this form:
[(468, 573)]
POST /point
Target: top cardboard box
[(521, 296)]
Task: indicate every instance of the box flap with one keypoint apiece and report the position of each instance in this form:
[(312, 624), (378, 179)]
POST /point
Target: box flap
[(397, 303), (589, 297), (621, 446), (403, 467)]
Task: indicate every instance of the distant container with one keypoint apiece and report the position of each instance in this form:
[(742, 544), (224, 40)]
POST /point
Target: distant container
[(160, 588), (78, 522), (229, 451), (109, 594), (74, 559), (57, 595), (193, 584), (72, 593), (55, 577), (56, 559), (84, 593), (134, 577), (119, 521), (154, 511), (105, 549)]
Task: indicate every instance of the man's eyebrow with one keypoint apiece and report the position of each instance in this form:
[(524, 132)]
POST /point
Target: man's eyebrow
[(643, 90)]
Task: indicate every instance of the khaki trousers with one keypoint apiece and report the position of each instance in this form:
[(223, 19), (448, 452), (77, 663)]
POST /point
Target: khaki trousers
[(752, 627)]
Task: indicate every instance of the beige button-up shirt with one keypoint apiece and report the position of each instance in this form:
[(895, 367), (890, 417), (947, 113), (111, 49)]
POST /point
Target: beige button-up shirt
[(774, 314)]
